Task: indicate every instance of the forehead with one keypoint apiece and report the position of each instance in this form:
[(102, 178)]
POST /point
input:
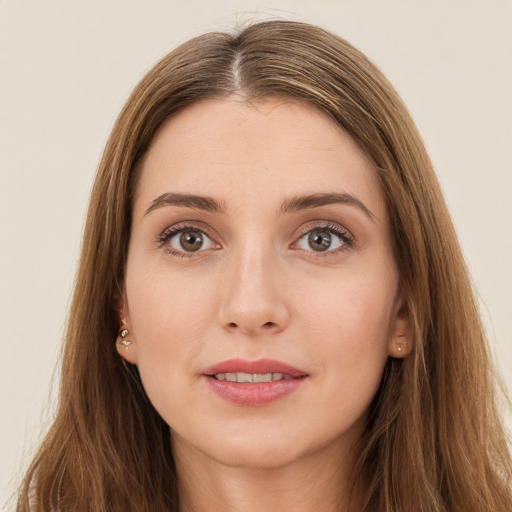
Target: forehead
[(239, 152)]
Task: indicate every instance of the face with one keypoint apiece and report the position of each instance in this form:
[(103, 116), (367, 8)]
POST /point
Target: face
[(261, 293)]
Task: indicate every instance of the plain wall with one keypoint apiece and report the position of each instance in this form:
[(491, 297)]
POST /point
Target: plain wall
[(66, 68)]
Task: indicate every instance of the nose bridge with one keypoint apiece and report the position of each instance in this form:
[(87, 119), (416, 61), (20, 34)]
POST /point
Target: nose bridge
[(252, 301)]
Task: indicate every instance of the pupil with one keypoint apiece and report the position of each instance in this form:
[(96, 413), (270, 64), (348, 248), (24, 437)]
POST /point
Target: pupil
[(191, 240), (319, 240)]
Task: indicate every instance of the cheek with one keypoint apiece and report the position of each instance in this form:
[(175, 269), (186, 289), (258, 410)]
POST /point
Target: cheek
[(349, 324), (169, 317), (357, 307), (167, 306), (168, 312)]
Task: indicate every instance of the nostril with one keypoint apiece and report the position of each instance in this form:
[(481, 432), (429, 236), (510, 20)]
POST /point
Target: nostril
[(252, 327)]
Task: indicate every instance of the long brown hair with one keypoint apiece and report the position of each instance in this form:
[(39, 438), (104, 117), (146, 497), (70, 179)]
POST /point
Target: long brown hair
[(434, 441)]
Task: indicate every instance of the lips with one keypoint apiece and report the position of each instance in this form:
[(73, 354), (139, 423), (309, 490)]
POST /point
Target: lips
[(253, 383)]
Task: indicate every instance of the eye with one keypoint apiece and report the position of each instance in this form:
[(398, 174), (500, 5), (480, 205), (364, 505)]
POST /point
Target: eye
[(325, 239), (185, 240), (319, 240)]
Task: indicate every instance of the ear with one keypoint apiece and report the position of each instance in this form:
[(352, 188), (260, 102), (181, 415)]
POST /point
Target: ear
[(125, 341), (401, 340)]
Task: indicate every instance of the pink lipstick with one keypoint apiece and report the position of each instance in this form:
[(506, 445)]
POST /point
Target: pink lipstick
[(253, 383)]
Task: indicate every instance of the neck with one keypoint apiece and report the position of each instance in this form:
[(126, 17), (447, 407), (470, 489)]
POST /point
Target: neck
[(319, 481)]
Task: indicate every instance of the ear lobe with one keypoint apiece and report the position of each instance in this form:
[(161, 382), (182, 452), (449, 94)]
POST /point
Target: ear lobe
[(125, 341), (401, 336), (126, 346)]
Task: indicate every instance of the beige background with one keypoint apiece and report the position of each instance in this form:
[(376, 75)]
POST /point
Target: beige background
[(66, 67)]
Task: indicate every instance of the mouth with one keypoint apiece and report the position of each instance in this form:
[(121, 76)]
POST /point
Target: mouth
[(261, 370), (252, 377), (254, 383)]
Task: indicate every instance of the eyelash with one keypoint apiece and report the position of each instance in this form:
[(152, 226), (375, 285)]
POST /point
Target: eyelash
[(347, 239), (343, 234)]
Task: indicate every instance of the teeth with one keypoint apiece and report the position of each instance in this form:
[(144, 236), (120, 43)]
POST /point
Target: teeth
[(251, 377), (262, 377), (243, 377)]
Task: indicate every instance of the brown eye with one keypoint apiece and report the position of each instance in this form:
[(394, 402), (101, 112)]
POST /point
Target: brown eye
[(319, 240), (191, 241)]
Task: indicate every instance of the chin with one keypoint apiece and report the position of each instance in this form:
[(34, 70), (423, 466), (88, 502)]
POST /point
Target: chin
[(270, 455), (258, 450)]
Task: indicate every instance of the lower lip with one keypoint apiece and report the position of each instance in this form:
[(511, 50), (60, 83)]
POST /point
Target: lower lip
[(255, 394)]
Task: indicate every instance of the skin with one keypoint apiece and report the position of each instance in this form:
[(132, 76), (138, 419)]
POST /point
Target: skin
[(257, 289)]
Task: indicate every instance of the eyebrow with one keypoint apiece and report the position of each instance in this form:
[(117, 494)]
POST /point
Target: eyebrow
[(298, 203), (292, 204), (187, 200)]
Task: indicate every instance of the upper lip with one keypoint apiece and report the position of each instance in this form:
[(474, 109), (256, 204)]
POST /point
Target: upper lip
[(260, 366)]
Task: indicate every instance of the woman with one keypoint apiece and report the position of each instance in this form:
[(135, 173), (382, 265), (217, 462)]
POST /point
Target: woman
[(272, 310)]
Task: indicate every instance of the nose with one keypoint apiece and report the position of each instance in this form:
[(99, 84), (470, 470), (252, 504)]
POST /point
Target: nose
[(252, 302)]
